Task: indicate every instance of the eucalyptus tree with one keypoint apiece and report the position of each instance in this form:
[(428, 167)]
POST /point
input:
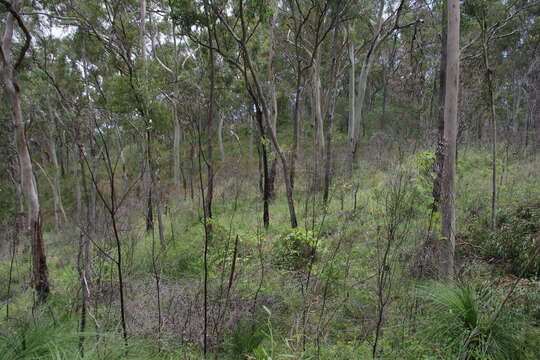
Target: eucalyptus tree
[(496, 21), (10, 67), (304, 21), (241, 32), (235, 26), (381, 27), (448, 215)]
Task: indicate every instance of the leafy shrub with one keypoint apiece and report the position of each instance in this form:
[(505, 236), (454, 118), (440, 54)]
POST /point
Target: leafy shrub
[(294, 250), (517, 240)]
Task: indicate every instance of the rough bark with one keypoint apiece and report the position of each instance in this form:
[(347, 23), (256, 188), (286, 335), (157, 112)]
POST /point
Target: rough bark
[(441, 146), (450, 132)]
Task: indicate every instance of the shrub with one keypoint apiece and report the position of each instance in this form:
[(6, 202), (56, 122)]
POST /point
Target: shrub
[(294, 250), (517, 240)]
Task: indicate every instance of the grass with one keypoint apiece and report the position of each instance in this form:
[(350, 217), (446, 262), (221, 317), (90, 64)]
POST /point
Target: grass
[(338, 305)]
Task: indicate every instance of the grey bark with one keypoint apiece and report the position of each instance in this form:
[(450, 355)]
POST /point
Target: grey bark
[(450, 133), (28, 180)]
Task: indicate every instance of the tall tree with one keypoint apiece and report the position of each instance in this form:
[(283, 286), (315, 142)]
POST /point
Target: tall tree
[(450, 134), (9, 72)]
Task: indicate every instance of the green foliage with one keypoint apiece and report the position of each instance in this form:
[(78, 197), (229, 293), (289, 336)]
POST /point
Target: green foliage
[(44, 336), (463, 324), (37, 338), (516, 241), (247, 336), (294, 250), (122, 97), (185, 13)]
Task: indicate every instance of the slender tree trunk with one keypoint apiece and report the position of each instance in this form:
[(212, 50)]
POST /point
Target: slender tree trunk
[(209, 133), (332, 95), (147, 168), (59, 212), (251, 135), (362, 84), (382, 119), (351, 129), (147, 183), (265, 170), (450, 133), (441, 146), (319, 121), (272, 110), (296, 121), (176, 147), (489, 80), (220, 137), (362, 87), (259, 97), (83, 252)]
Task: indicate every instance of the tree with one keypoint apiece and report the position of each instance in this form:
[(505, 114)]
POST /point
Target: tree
[(254, 84), (382, 30), (9, 72), (448, 215)]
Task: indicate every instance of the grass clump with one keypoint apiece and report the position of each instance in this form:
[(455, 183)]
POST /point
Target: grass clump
[(468, 323)]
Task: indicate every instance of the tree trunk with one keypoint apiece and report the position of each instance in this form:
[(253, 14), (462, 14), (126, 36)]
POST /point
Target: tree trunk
[(319, 121), (489, 80), (450, 133), (265, 171), (259, 97), (441, 146), (147, 183), (147, 168), (332, 95), (83, 251), (220, 137), (209, 131), (351, 129), (59, 213), (28, 181), (362, 85), (272, 110), (176, 147)]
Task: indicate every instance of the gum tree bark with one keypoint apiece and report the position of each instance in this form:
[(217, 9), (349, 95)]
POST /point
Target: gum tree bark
[(8, 72), (450, 132)]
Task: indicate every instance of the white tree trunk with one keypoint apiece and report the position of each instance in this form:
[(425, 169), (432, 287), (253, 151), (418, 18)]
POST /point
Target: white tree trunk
[(28, 181)]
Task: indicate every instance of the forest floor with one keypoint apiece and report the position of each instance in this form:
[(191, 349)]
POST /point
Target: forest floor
[(351, 283)]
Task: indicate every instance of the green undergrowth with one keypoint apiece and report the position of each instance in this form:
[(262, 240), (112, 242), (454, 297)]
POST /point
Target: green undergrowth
[(337, 247)]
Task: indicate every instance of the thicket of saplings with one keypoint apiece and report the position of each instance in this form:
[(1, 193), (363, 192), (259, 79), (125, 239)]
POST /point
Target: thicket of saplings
[(356, 279)]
